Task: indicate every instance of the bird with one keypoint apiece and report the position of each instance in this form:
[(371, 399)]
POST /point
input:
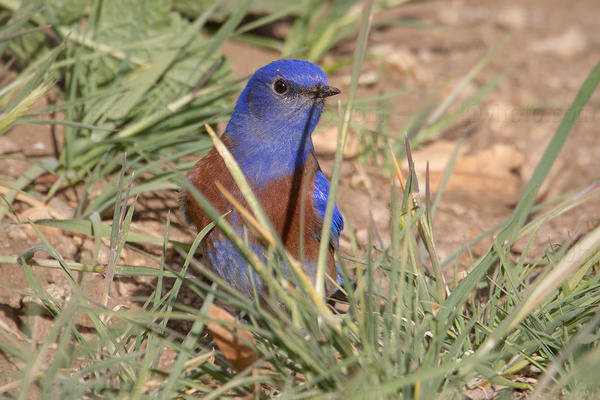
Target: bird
[(269, 136)]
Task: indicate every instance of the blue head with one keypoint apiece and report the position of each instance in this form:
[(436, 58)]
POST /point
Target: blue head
[(272, 121)]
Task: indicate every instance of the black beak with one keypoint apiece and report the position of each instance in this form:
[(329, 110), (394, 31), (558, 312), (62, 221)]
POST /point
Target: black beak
[(322, 91)]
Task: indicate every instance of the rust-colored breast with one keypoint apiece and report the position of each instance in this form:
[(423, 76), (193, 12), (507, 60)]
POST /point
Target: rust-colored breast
[(281, 200), (210, 169)]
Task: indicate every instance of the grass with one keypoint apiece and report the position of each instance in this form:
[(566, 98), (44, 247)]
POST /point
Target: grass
[(526, 324)]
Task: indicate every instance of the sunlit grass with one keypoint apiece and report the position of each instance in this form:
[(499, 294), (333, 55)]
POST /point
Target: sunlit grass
[(525, 323)]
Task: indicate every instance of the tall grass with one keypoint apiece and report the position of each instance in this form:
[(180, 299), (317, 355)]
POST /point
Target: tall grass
[(518, 323)]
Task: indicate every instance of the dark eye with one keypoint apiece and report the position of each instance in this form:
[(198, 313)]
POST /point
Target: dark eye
[(280, 86)]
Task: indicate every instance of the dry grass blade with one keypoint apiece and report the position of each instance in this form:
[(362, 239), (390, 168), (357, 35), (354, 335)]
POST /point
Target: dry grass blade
[(424, 223), (397, 167), (248, 217)]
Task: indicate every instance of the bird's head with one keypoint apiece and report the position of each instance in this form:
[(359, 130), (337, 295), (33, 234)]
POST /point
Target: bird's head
[(269, 131), (286, 93)]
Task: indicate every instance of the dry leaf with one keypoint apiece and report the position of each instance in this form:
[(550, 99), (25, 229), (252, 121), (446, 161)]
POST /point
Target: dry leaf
[(489, 171), (233, 341)]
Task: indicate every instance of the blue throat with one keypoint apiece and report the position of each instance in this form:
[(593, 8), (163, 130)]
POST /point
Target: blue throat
[(268, 149)]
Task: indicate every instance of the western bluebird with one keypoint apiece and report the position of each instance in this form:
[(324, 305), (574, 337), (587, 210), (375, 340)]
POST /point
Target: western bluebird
[(269, 137)]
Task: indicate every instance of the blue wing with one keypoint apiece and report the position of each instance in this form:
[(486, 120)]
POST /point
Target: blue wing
[(320, 195)]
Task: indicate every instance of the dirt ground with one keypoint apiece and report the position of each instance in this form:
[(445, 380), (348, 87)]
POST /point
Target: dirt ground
[(553, 45)]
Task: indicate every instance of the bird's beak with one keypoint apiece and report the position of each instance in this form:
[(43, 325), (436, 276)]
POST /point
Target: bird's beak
[(322, 91)]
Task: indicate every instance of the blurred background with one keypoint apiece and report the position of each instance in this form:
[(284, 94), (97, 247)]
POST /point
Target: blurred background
[(496, 76)]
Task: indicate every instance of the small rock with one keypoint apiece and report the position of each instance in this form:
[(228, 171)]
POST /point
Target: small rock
[(534, 369), (126, 287), (87, 252), (362, 235), (103, 255), (569, 44), (61, 293), (17, 233), (86, 256), (281, 29), (65, 246), (38, 146), (61, 206), (512, 18), (77, 240)]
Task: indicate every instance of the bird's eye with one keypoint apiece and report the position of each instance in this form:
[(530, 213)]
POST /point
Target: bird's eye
[(280, 86)]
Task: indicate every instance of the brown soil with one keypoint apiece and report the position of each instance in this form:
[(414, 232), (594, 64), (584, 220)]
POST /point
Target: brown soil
[(553, 45)]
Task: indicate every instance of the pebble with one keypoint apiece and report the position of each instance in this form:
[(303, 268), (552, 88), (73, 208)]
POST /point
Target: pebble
[(512, 18), (17, 233), (38, 146), (567, 45)]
